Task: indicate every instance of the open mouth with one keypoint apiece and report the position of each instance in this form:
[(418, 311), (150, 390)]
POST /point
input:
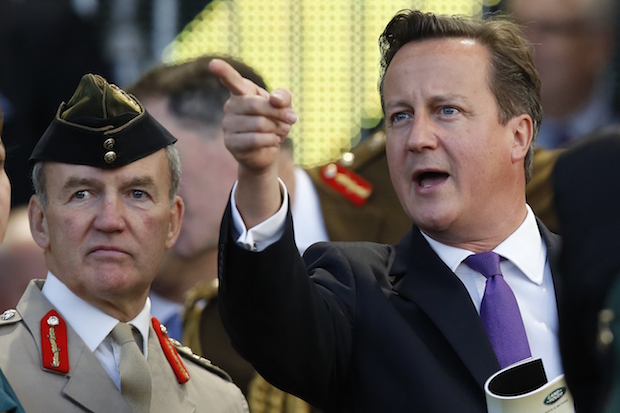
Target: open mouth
[(429, 179)]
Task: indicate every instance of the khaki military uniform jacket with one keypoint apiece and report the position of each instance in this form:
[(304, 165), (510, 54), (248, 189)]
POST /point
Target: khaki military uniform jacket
[(87, 387)]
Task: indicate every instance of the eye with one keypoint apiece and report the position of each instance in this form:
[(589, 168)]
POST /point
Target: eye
[(449, 110), (83, 194), (400, 116), (138, 194)]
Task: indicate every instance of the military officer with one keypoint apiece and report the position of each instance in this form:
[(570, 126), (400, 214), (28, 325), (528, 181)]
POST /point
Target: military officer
[(104, 211)]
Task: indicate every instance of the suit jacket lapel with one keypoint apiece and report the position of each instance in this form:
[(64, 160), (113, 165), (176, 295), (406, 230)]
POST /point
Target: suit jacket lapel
[(553, 242), (423, 278)]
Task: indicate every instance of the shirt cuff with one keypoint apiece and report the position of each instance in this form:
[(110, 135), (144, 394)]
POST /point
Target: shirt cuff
[(268, 232)]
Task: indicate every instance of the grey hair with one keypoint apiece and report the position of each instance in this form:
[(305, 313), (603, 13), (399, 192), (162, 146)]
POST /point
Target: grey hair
[(174, 169)]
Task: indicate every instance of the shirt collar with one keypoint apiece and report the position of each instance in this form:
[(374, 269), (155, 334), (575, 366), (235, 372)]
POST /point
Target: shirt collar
[(524, 248), (89, 322)]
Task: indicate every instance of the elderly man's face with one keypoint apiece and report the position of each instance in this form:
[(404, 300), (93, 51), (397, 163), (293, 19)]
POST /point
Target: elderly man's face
[(104, 231), (457, 171)]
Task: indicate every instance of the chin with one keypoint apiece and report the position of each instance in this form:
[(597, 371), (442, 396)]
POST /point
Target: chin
[(433, 220)]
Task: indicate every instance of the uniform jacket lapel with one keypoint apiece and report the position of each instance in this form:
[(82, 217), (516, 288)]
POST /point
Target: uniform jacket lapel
[(421, 277), (168, 395), (87, 383)]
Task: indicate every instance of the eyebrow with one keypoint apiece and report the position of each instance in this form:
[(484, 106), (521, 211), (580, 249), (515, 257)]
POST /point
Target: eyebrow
[(437, 99), (142, 181), (449, 97), (75, 182)]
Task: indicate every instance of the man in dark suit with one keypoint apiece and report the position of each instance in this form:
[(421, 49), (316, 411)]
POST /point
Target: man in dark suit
[(369, 327), (585, 182)]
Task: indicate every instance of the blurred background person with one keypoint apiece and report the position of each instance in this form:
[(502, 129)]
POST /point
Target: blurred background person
[(8, 399), (189, 100), (21, 259), (574, 47), (586, 198)]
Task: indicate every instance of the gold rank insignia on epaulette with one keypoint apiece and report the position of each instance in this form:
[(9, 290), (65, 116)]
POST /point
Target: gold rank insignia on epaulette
[(352, 186), (341, 177), (54, 354), (170, 352)]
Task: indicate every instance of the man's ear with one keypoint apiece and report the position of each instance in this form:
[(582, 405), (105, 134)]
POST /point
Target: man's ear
[(38, 222), (176, 219), (523, 133)]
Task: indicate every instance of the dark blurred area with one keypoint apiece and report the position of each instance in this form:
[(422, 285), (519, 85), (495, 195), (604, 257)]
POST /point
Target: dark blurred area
[(47, 45)]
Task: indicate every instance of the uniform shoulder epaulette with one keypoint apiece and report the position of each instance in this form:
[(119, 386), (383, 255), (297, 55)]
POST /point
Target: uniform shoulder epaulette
[(188, 354), (10, 316), (343, 176), (173, 350)]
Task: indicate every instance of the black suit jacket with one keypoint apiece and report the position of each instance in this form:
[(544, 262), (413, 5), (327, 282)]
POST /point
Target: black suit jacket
[(587, 196), (375, 328)]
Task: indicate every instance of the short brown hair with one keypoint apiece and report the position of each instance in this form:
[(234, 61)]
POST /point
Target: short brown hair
[(195, 94), (514, 80)]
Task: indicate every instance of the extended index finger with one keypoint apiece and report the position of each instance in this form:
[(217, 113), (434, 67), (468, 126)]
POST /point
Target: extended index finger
[(237, 84)]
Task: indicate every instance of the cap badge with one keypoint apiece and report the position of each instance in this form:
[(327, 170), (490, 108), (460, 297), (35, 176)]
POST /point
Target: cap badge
[(109, 157), (109, 143)]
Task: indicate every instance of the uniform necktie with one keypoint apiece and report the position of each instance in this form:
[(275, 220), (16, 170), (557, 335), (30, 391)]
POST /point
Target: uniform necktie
[(135, 374), (499, 311)]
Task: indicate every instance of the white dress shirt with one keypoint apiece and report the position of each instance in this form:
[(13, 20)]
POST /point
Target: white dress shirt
[(308, 222), (525, 269), (93, 325)]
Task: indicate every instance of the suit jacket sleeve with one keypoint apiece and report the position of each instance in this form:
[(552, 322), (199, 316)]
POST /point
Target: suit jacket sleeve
[(286, 318)]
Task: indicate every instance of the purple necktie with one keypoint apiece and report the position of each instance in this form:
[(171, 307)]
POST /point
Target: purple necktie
[(500, 312)]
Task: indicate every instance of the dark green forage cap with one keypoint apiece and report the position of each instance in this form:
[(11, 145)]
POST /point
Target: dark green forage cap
[(100, 126)]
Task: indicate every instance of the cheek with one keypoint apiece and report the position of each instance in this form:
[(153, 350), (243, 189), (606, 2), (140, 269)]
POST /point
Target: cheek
[(396, 154), (154, 224)]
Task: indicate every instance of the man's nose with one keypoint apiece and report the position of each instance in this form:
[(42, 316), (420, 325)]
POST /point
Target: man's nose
[(110, 214), (423, 133)]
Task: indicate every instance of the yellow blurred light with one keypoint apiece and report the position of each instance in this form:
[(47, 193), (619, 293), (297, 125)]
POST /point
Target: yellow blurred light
[(324, 51)]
